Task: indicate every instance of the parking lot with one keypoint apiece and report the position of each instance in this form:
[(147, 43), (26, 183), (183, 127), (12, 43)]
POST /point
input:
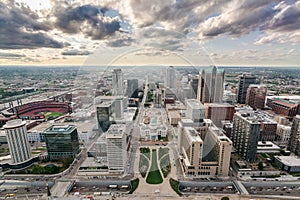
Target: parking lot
[(208, 189)]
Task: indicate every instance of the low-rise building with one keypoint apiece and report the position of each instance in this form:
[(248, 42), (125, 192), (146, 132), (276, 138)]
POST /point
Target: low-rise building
[(288, 163)]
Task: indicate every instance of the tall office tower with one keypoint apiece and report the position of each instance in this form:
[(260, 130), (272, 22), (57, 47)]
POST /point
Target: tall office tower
[(204, 154), (116, 147), (61, 141), (211, 85), (170, 77), (105, 115), (256, 96), (16, 134), (132, 88), (117, 78), (244, 81), (245, 135), (294, 142), (194, 83), (195, 110)]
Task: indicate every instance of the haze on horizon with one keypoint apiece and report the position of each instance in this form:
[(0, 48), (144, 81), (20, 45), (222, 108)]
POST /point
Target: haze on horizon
[(129, 32)]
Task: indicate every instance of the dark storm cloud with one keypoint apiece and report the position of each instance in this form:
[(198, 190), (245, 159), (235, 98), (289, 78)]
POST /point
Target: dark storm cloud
[(19, 28), (87, 19)]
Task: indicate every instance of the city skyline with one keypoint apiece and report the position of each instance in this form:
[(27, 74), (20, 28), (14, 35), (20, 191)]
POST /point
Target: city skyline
[(178, 32)]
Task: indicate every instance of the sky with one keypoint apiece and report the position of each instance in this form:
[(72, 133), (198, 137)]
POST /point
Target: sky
[(143, 32)]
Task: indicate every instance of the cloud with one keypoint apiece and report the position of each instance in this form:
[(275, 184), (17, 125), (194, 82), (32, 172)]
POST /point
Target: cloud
[(238, 17), (74, 52), (4, 55), (123, 41), (20, 28), (161, 38), (286, 19), (89, 20)]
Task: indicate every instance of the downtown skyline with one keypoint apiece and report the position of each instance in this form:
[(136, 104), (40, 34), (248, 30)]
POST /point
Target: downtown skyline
[(219, 32)]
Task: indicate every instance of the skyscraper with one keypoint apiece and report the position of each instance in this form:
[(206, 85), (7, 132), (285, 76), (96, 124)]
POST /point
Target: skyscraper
[(294, 142), (16, 134), (61, 141), (116, 147), (245, 135), (256, 96), (117, 78), (132, 86), (244, 81), (211, 85), (170, 77)]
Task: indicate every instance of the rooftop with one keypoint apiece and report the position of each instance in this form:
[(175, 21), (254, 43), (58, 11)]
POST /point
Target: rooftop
[(289, 160), (59, 128), (14, 123)]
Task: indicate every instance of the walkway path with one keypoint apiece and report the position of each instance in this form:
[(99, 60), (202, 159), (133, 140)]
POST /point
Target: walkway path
[(163, 189)]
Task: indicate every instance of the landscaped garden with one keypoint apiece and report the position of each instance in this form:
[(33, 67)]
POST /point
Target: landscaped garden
[(143, 165), (175, 186), (154, 176)]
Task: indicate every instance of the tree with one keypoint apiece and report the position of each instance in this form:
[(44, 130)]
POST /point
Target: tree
[(260, 166)]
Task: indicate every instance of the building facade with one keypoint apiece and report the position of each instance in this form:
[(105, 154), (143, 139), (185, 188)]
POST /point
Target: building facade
[(284, 107), (244, 82), (294, 142), (205, 151), (170, 77), (283, 134), (61, 141), (132, 88), (195, 110), (117, 82), (211, 85), (256, 96), (245, 135), (16, 134), (116, 147), (218, 112)]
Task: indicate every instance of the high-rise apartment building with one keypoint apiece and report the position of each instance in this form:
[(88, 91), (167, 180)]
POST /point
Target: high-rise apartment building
[(132, 88), (16, 134), (118, 85), (294, 142), (211, 85), (116, 139), (256, 96), (244, 81), (204, 153), (170, 77), (194, 83), (245, 135), (61, 141)]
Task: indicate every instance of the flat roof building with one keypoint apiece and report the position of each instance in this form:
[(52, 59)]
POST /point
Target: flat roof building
[(61, 141), (116, 138), (288, 163)]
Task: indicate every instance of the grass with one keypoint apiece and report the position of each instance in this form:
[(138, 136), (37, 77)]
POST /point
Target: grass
[(145, 151), (175, 186), (165, 165), (154, 176), (162, 152), (143, 166), (134, 185), (53, 114), (165, 139)]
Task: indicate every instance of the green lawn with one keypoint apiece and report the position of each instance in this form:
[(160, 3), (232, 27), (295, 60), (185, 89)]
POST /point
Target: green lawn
[(154, 176), (143, 165), (134, 185), (175, 186), (145, 151), (162, 152), (53, 114), (165, 165)]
